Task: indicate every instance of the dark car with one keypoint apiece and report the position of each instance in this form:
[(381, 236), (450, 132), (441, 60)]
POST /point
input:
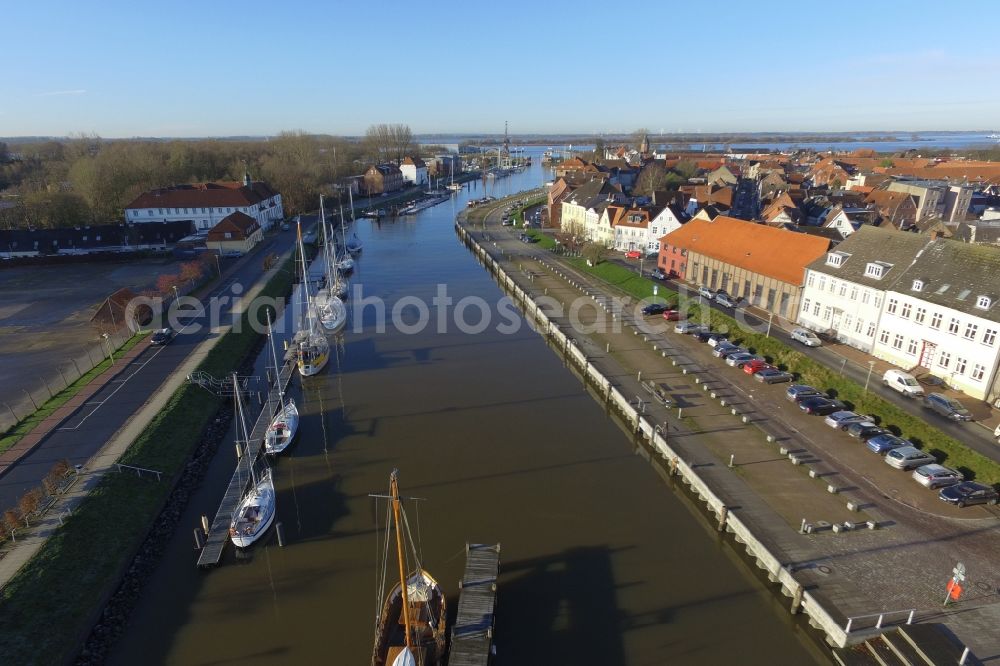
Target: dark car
[(820, 406), (658, 274), (947, 407), (798, 392), (162, 336), (654, 309), (772, 376), (882, 444), (969, 492), (703, 336), (724, 348), (865, 430)]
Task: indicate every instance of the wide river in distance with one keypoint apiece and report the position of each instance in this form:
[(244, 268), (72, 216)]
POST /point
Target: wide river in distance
[(602, 561)]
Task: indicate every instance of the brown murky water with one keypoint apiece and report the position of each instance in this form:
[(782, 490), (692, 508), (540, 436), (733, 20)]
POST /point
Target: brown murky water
[(602, 562)]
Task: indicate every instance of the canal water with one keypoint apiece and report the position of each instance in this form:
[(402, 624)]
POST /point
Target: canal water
[(602, 562)]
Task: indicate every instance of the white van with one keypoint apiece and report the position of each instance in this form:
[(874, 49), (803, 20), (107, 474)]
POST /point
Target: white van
[(902, 382)]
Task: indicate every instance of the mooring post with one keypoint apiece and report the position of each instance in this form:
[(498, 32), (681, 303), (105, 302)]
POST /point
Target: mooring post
[(723, 514), (796, 600), (204, 523), (280, 530), (198, 544)]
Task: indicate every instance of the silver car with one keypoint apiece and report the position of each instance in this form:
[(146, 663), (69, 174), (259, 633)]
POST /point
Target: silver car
[(937, 476), (737, 360), (908, 457)]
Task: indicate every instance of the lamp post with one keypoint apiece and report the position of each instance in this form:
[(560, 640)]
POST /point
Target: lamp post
[(871, 366), (176, 296), (218, 267), (108, 342), (770, 318)]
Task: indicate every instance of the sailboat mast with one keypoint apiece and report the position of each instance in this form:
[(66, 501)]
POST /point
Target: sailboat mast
[(305, 282), (350, 197), (394, 491), (243, 428), (277, 370)]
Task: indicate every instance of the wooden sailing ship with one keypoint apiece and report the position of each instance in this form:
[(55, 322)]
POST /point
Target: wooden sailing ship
[(411, 627)]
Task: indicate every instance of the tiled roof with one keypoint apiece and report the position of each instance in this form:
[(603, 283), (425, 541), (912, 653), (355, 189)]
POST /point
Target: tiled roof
[(239, 224), (198, 195), (870, 244), (955, 274), (765, 250)]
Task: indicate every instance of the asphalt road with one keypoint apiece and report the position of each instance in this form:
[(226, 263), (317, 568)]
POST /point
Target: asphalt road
[(87, 429)]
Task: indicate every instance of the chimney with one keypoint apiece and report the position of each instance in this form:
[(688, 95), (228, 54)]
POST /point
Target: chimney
[(935, 235)]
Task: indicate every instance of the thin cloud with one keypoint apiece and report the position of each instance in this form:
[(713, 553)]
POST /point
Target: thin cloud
[(61, 92)]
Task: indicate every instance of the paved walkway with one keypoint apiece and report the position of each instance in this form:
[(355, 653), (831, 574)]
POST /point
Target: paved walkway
[(103, 462)]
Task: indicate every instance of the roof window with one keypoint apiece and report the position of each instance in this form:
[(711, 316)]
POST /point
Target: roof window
[(983, 302), (918, 285)]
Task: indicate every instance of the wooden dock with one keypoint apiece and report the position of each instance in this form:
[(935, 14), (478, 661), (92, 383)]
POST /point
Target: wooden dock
[(218, 532), (472, 633)]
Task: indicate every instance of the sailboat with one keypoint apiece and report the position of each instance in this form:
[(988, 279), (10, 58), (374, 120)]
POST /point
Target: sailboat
[(454, 187), (310, 346), (285, 422), (331, 310), (345, 264), (354, 245), (255, 512), (411, 627)]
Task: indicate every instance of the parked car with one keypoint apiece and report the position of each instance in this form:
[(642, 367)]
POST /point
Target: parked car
[(654, 309), (797, 392), (969, 492), (633, 254), (722, 298), (806, 337), (705, 292), (908, 457), (844, 419), (506, 222), (716, 337), (902, 382), (658, 274), (756, 366), (772, 376), (673, 315), (937, 476), (162, 336), (882, 444), (688, 327), (820, 406), (703, 336), (724, 348), (948, 407), (865, 430), (740, 359)]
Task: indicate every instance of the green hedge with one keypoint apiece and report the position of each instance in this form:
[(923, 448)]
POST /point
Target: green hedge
[(948, 450), (45, 608)]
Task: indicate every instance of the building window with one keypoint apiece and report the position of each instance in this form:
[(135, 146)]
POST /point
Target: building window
[(810, 280), (918, 285), (805, 306), (971, 330), (833, 286), (770, 298), (871, 329), (944, 360), (874, 270), (891, 307), (878, 300), (897, 342), (859, 325), (783, 304), (989, 337), (978, 370), (921, 313), (854, 293), (827, 311), (953, 326), (936, 320), (911, 347), (866, 296), (983, 302), (884, 337), (960, 365), (904, 312), (843, 289)]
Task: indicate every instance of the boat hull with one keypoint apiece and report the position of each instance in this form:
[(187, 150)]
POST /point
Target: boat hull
[(277, 438), (429, 618), (244, 530)]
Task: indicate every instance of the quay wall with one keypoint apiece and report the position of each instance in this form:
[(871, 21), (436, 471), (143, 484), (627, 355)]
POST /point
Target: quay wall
[(728, 521)]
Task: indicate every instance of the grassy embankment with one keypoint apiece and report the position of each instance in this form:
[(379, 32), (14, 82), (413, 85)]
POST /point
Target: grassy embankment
[(948, 450), (47, 607), (45, 410)]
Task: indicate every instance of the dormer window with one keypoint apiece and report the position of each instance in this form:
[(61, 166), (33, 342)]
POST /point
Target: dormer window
[(918, 285), (876, 269), (836, 258), (983, 302)]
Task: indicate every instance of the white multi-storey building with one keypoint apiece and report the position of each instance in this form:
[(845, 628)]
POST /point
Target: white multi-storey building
[(414, 170), (206, 204), (916, 302)]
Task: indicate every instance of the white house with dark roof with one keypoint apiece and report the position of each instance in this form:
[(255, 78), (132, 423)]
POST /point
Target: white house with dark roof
[(414, 170), (206, 204), (942, 314)]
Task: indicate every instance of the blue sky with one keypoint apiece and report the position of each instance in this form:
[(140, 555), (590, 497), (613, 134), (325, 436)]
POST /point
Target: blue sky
[(225, 68)]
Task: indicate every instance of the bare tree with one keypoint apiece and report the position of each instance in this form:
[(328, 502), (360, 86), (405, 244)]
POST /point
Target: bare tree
[(29, 503), (652, 177), (384, 142)]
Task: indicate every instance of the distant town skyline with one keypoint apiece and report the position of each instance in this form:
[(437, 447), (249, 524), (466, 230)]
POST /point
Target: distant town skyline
[(256, 69)]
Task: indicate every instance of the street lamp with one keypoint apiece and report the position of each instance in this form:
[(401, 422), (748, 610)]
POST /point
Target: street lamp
[(108, 342), (218, 267), (770, 318), (176, 296), (871, 366)]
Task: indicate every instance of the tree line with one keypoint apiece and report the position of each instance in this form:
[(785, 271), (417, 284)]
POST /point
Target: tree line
[(85, 179)]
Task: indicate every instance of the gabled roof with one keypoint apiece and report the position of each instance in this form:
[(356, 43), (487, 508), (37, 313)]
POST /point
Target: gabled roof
[(240, 225), (955, 274), (212, 195), (590, 193), (414, 161), (873, 244), (765, 250)]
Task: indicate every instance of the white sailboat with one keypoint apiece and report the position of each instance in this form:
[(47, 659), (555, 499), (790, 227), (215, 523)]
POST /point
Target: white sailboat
[(452, 185), (285, 422), (345, 264), (330, 309), (255, 512), (310, 346)]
